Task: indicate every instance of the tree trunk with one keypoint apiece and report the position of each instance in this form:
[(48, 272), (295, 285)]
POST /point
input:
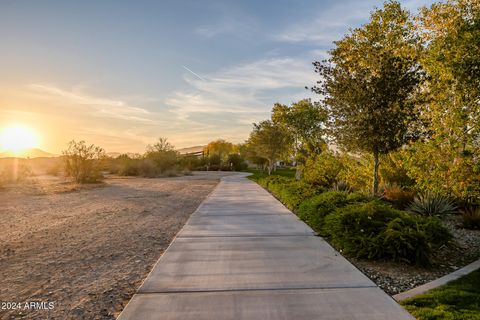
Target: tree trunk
[(298, 172), (269, 168), (375, 173)]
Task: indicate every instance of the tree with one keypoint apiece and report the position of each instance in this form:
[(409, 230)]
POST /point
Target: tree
[(305, 121), (270, 141), (163, 154), (447, 161), (220, 147), (370, 82), (83, 162)]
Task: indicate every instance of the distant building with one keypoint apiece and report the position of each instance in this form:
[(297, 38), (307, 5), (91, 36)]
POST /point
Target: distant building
[(196, 151)]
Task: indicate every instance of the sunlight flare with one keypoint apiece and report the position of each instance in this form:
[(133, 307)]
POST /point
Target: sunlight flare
[(17, 139)]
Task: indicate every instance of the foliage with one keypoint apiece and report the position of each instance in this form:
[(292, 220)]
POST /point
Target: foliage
[(393, 171), (290, 191), (323, 169), (374, 230), (162, 154), (236, 162), (369, 84), (315, 209), (305, 121), (399, 197), (259, 174), (342, 186), (458, 300), (432, 204), (471, 217), (220, 147), (83, 162), (270, 141)]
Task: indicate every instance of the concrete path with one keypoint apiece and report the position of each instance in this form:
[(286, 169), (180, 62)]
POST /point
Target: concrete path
[(243, 255)]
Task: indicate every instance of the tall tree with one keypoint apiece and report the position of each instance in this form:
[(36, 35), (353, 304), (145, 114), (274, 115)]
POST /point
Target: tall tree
[(306, 122), (220, 147), (270, 141), (369, 84), (448, 161)]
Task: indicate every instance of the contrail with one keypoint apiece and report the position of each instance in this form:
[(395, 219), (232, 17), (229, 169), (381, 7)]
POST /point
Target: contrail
[(196, 75)]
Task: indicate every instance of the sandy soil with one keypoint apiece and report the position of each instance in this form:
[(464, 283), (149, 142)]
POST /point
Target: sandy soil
[(86, 251)]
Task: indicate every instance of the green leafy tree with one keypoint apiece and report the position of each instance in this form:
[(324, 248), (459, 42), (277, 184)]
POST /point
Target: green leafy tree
[(270, 141), (305, 121), (220, 147), (447, 161), (369, 84)]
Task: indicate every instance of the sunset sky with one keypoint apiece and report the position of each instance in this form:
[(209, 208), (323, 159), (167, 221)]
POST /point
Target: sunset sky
[(122, 73)]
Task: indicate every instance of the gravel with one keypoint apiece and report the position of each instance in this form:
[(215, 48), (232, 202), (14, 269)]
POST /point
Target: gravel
[(394, 278)]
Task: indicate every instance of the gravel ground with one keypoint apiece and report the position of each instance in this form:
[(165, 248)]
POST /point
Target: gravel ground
[(85, 251), (394, 278)]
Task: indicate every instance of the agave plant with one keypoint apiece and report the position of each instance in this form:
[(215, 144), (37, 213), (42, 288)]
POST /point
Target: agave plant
[(342, 186), (431, 204)]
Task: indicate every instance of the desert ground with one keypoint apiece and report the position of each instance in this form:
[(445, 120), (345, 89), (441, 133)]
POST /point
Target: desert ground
[(82, 252)]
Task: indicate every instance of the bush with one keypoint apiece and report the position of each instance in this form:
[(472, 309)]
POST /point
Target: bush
[(398, 197), (430, 204), (291, 192), (471, 217), (162, 154), (236, 162), (322, 170), (314, 210), (82, 162), (376, 231)]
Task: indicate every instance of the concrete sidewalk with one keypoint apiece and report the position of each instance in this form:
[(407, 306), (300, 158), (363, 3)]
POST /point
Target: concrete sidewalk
[(243, 255)]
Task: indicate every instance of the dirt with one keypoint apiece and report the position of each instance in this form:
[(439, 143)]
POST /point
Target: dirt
[(69, 252)]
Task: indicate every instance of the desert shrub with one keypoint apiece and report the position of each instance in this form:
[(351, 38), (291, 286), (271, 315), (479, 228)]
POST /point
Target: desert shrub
[(215, 160), (322, 170), (291, 192), (374, 230), (162, 154), (471, 216), (15, 171), (236, 162), (189, 162), (214, 167), (399, 197), (431, 204), (83, 162), (314, 210)]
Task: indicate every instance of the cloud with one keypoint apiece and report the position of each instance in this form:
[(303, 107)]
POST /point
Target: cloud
[(103, 107), (244, 93), (332, 23)]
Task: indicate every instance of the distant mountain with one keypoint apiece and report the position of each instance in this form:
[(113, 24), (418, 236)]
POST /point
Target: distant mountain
[(29, 153)]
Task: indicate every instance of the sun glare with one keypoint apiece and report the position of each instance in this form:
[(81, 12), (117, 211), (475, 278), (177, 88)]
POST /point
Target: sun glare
[(17, 139)]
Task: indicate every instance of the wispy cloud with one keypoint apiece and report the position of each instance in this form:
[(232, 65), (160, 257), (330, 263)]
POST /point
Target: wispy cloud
[(246, 90), (105, 107)]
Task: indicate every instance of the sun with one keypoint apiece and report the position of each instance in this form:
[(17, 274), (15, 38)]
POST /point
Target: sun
[(17, 139)]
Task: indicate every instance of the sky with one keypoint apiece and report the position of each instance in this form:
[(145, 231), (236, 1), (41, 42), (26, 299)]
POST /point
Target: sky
[(121, 74)]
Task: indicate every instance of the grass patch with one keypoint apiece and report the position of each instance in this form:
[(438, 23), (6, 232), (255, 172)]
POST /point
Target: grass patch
[(258, 174), (459, 300)]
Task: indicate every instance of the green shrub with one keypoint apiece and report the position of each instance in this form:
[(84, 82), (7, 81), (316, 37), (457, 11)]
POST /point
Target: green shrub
[(291, 192), (431, 204), (322, 170), (315, 209), (236, 162), (82, 162), (374, 230)]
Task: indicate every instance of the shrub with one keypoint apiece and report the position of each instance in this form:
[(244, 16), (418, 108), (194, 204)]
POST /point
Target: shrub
[(162, 154), (236, 162), (83, 162), (315, 209), (342, 186), (374, 230), (431, 204), (471, 217), (398, 197), (322, 170), (290, 191)]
